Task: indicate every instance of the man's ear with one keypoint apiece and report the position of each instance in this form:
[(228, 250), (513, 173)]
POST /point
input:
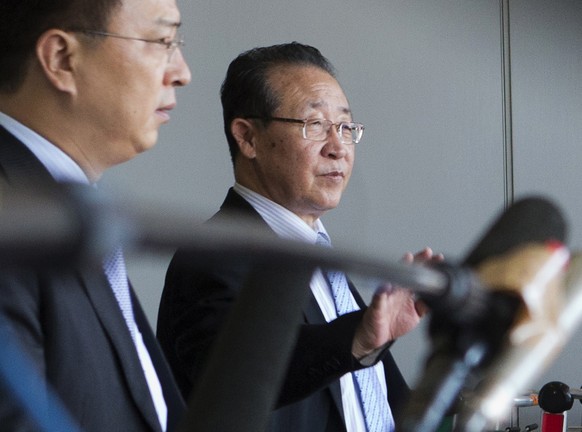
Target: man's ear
[(55, 51), (244, 132)]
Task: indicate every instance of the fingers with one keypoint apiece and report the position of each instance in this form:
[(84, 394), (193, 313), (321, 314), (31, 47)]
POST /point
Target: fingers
[(385, 288), (437, 258), (393, 298), (408, 258), (423, 256)]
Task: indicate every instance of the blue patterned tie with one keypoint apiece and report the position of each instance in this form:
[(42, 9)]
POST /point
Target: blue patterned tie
[(114, 267), (377, 413)]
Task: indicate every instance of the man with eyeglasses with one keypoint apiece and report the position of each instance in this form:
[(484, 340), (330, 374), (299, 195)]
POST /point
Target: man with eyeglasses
[(292, 141), (85, 85)]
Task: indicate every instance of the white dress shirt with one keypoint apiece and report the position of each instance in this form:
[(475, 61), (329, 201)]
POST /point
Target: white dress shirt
[(288, 225)]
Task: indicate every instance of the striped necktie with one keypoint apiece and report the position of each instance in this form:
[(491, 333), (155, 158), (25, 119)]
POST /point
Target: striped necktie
[(377, 413), (116, 273)]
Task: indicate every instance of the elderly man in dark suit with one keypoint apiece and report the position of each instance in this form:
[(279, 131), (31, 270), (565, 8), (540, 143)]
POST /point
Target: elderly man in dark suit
[(292, 138), (85, 85)]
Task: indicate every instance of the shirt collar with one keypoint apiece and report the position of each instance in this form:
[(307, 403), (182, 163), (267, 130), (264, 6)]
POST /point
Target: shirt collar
[(61, 167), (283, 222)]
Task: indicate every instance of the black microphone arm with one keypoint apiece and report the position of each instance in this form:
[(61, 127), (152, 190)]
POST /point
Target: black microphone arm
[(70, 224)]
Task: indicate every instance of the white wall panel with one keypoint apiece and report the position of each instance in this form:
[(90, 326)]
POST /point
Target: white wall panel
[(546, 41)]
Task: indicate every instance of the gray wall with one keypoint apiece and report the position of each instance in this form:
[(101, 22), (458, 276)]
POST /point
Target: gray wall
[(425, 76)]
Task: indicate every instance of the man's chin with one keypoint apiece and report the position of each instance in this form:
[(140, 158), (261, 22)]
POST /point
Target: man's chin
[(147, 143)]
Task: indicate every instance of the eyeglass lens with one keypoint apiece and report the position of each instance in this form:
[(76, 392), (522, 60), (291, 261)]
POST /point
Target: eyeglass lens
[(317, 130)]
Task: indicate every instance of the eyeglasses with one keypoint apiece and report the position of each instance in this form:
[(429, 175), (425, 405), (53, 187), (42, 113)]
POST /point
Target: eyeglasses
[(318, 129), (170, 44)]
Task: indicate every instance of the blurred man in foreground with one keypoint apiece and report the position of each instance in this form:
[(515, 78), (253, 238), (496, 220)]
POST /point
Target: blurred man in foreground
[(85, 85)]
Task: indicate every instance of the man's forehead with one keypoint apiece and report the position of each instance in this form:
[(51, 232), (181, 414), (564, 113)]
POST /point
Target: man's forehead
[(321, 104), (149, 13), (307, 87)]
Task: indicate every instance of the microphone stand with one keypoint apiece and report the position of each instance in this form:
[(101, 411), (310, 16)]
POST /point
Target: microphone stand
[(467, 329)]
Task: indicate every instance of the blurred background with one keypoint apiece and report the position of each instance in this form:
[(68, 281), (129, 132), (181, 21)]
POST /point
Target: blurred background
[(467, 104)]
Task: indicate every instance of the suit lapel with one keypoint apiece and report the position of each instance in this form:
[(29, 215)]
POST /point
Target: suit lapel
[(18, 165), (312, 312), (111, 318), (172, 396), (313, 315)]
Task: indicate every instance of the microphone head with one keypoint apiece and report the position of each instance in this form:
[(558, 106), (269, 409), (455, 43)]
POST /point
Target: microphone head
[(555, 397), (529, 220)]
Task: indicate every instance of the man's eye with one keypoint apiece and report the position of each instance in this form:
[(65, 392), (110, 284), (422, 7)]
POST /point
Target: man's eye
[(168, 41)]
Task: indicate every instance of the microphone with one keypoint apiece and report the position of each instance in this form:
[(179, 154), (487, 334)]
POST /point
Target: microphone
[(471, 320), (530, 220), (556, 397)]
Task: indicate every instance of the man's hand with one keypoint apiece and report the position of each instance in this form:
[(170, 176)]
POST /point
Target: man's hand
[(393, 312)]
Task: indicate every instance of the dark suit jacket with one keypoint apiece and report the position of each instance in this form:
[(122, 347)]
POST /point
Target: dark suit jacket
[(69, 323), (194, 305)]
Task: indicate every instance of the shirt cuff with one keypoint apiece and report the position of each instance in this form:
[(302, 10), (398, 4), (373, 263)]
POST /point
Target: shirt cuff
[(375, 356)]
